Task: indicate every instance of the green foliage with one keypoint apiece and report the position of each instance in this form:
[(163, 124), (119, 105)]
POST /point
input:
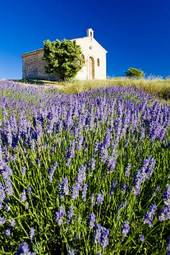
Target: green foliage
[(134, 73), (31, 164), (64, 58)]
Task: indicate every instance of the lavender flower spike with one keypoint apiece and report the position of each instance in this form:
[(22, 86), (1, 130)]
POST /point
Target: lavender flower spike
[(100, 199), (32, 233), (102, 235), (75, 191), (24, 249), (142, 238), (92, 220), (60, 215), (125, 228), (70, 214), (148, 218), (51, 171), (2, 221), (84, 192), (63, 187), (166, 196), (23, 196)]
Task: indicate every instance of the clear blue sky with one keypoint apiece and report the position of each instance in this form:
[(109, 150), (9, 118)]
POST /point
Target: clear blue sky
[(135, 32)]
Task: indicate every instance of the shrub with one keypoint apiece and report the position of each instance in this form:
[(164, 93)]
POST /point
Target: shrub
[(64, 58), (134, 73)]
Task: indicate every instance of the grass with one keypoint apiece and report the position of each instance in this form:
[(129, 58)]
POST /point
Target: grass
[(156, 86)]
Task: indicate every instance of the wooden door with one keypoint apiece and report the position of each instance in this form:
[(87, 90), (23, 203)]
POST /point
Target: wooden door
[(91, 69)]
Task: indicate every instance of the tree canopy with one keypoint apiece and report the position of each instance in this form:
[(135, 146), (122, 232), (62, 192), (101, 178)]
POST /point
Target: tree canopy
[(134, 73), (64, 58)]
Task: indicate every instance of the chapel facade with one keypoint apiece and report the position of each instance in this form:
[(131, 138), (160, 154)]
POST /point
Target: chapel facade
[(94, 55)]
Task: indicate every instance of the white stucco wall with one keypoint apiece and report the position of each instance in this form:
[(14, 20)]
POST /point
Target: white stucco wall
[(91, 48)]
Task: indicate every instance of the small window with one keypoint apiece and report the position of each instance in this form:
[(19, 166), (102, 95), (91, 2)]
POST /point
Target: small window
[(98, 62)]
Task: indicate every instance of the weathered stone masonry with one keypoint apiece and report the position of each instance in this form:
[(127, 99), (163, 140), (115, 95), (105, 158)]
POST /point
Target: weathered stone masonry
[(34, 66)]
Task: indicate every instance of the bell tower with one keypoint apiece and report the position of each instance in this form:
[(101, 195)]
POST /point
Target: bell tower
[(90, 33)]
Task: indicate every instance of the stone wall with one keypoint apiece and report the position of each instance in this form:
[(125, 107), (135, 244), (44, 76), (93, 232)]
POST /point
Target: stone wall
[(34, 67)]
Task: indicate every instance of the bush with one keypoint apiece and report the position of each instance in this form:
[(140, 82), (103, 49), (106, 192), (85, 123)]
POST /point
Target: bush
[(134, 73), (64, 58)]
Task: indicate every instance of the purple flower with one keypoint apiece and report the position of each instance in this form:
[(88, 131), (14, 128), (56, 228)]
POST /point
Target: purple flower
[(29, 190), (107, 139), (142, 238), (92, 200), (24, 249), (149, 216), (81, 175), (166, 196), (124, 187), (70, 214), (105, 237), (71, 252), (12, 223), (32, 233), (2, 220), (8, 187), (2, 192), (104, 155), (63, 187), (125, 228), (23, 171), (127, 171), (84, 192), (144, 174), (101, 235), (100, 199), (168, 246), (92, 220), (165, 213), (70, 153), (7, 208), (8, 232), (113, 186), (111, 164), (75, 191), (23, 196), (92, 164), (51, 171), (60, 215)]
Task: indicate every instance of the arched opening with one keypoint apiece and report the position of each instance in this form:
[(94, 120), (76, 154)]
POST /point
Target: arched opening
[(83, 57), (91, 68)]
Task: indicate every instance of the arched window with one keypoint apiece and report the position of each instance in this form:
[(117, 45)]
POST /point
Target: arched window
[(98, 62)]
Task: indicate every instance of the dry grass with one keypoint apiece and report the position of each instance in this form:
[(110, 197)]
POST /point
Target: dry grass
[(156, 86)]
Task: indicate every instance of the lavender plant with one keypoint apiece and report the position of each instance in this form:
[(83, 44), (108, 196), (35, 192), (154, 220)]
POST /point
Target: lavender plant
[(84, 173)]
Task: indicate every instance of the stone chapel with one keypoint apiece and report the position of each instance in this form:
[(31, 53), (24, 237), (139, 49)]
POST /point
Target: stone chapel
[(94, 55)]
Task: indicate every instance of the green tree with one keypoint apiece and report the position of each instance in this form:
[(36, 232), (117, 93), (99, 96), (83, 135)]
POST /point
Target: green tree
[(64, 58), (134, 73)]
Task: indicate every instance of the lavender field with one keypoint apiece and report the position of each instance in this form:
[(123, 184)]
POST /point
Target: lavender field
[(85, 173)]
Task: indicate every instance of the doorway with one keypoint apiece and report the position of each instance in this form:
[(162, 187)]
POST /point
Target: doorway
[(91, 68)]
